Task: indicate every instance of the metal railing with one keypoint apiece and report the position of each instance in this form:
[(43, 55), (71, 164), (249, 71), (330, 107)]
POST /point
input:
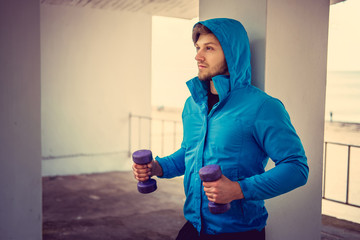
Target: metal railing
[(161, 135), (348, 169)]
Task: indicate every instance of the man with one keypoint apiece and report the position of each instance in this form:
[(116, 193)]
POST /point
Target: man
[(229, 122)]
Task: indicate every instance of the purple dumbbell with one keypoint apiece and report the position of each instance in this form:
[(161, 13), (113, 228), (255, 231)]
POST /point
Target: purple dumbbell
[(144, 157), (211, 173)]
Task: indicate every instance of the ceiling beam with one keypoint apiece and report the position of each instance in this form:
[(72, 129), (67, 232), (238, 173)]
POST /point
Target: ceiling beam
[(336, 1)]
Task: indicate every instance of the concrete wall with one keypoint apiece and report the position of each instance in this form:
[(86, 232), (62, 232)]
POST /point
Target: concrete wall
[(20, 144), (95, 68), (295, 37)]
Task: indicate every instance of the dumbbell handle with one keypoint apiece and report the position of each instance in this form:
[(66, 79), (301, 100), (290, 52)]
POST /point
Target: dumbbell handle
[(143, 157), (211, 173)]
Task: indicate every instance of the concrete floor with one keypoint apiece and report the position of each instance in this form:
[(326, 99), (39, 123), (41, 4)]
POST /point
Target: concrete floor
[(108, 206)]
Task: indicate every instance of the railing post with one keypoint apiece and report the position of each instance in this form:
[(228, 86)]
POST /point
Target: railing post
[(150, 127), (348, 176), (162, 137), (324, 169), (139, 141), (174, 135), (129, 154)]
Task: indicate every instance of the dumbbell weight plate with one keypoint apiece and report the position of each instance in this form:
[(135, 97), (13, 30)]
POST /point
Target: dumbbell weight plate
[(143, 156), (217, 208), (147, 186)]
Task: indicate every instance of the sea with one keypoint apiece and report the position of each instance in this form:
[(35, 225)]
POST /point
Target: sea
[(343, 96)]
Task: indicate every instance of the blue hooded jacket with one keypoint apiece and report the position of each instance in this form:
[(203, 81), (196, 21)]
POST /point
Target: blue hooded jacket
[(240, 133)]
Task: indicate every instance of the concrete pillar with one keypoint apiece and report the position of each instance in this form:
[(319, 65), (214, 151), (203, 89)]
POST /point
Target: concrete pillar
[(20, 143), (289, 50), (296, 61)]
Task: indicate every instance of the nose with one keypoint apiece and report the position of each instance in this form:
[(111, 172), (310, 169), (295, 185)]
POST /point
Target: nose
[(199, 57)]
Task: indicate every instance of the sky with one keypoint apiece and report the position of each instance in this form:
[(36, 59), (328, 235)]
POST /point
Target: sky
[(344, 36)]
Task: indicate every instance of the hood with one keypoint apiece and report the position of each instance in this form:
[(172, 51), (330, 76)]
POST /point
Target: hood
[(235, 44)]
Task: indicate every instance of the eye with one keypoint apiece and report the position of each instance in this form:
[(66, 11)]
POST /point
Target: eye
[(209, 48)]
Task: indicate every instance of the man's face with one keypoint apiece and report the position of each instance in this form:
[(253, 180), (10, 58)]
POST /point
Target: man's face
[(210, 57)]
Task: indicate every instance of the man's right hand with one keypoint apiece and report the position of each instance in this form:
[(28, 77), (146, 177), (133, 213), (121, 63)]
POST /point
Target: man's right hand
[(144, 172)]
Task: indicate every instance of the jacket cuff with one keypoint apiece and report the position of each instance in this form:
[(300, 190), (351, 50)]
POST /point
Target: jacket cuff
[(244, 184), (164, 166)]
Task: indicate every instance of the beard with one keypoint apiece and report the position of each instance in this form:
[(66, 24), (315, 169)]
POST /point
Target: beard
[(211, 72)]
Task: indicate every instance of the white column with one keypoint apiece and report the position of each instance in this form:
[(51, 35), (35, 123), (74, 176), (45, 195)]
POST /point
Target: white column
[(289, 50), (296, 58), (20, 143)]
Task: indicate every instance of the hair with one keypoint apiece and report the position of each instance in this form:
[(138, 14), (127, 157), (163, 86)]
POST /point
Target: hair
[(198, 30)]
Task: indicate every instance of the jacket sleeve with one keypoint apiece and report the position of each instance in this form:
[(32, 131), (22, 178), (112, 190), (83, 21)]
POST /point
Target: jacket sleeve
[(275, 134), (173, 165)]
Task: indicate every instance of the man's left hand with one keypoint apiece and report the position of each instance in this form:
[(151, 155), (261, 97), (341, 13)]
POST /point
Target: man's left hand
[(223, 190)]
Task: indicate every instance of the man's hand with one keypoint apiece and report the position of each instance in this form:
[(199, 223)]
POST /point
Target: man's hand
[(143, 172), (223, 190)]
